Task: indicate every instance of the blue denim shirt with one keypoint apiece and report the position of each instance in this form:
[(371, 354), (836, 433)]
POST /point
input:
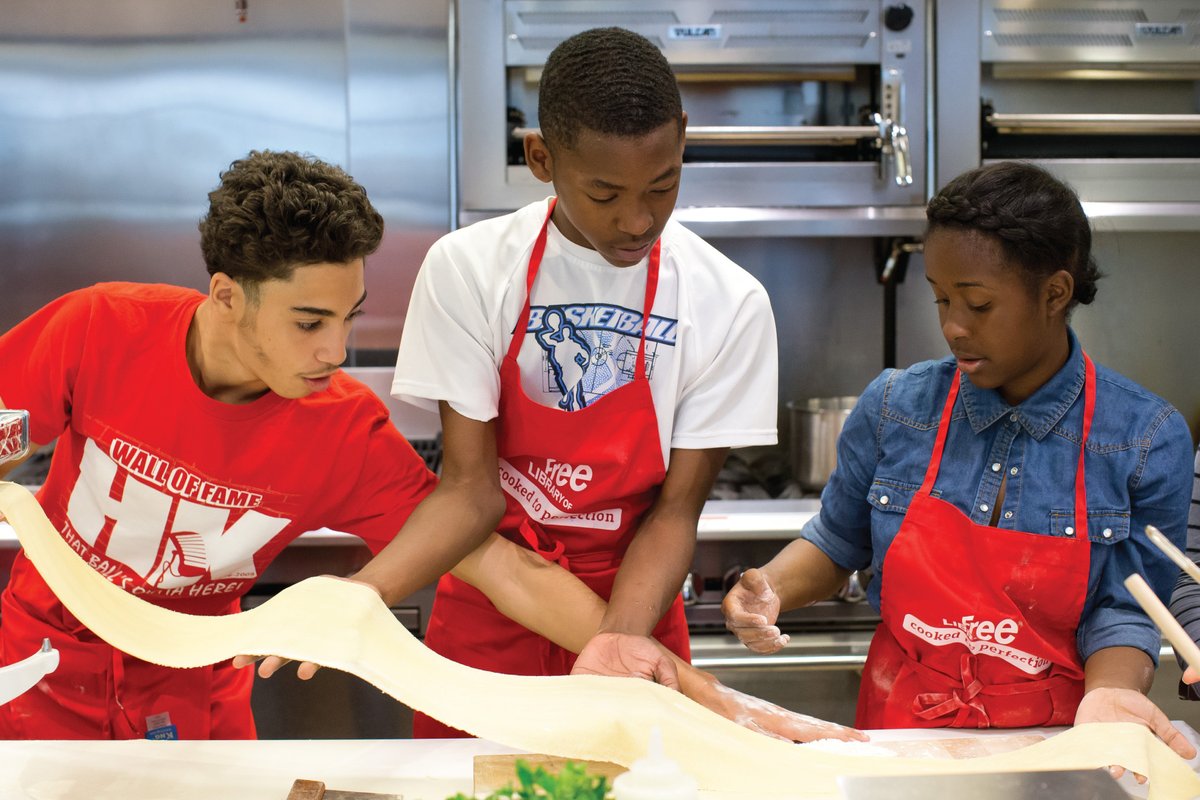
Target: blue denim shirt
[(1138, 472)]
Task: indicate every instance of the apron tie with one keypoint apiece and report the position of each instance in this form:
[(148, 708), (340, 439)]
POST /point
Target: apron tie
[(960, 700), (554, 552)]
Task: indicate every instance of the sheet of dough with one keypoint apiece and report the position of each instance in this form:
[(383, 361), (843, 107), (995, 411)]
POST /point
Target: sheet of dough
[(344, 625)]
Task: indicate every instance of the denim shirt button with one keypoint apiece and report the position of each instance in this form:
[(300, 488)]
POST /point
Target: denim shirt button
[(983, 506), (1013, 471), (1008, 515), (883, 500), (1107, 534), (1012, 417), (1069, 531), (996, 467)]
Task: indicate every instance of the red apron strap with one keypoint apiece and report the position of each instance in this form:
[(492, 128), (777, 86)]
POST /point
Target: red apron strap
[(535, 260), (1089, 409), (935, 460), (533, 536), (965, 694), (648, 306)]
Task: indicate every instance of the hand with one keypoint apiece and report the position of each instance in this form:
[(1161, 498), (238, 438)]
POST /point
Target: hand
[(1189, 675), (272, 664), (751, 609), (625, 655), (761, 716), (1111, 704)]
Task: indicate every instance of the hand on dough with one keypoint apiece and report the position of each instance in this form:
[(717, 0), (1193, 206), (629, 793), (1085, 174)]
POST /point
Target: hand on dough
[(272, 664), (626, 655), (1111, 704)]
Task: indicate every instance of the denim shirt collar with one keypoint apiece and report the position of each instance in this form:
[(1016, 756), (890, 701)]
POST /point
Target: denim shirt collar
[(1042, 410)]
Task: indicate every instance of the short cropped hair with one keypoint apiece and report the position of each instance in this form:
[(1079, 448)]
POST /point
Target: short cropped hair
[(1035, 218), (276, 211), (608, 80)]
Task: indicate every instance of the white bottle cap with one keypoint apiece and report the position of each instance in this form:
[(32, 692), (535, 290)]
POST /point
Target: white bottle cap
[(654, 777)]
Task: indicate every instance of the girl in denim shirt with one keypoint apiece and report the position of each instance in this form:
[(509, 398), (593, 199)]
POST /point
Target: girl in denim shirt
[(1000, 495)]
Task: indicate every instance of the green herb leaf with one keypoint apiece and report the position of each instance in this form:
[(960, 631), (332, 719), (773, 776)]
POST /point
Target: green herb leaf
[(536, 783)]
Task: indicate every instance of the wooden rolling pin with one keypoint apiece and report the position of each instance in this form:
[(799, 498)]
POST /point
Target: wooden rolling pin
[(1162, 617), (315, 790)]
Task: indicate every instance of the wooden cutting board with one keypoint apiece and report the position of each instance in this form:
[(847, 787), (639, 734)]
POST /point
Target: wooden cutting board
[(496, 772)]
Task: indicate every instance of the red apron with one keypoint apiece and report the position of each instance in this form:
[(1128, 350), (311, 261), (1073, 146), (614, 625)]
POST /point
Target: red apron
[(978, 623), (98, 692), (577, 484)]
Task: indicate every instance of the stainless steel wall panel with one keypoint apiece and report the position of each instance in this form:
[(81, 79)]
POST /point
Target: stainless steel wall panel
[(116, 118), (399, 147)]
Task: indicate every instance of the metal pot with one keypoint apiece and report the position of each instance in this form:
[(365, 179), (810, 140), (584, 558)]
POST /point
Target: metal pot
[(816, 424)]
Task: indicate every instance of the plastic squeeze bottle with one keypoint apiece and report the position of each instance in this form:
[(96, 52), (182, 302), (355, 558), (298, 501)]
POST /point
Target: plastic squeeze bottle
[(654, 777)]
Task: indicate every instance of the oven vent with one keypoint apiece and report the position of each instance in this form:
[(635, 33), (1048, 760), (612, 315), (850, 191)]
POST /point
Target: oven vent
[(1062, 40), (592, 19), (1070, 15), (828, 40), (544, 44), (799, 16)]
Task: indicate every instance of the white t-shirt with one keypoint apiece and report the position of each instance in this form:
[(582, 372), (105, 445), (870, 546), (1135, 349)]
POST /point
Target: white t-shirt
[(710, 345)]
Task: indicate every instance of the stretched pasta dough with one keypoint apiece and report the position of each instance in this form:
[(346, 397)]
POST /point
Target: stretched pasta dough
[(344, 625)]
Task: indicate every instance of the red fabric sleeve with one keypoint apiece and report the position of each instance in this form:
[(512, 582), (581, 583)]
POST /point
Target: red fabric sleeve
[(39, 360), (392, 481)]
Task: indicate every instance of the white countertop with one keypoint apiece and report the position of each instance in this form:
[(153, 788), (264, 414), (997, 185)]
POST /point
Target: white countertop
[(231, 770), (264, 770)]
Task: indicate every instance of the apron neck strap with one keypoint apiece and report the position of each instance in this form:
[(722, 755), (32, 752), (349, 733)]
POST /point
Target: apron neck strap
[(1089, 409), (939, 444), (535, 262)]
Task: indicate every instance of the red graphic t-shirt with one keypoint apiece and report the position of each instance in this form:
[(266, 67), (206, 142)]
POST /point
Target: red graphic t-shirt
[(173, 495)]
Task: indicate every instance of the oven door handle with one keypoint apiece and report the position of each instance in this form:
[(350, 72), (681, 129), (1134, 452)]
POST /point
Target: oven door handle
[(898, 139), (892, 140), (765, 135)]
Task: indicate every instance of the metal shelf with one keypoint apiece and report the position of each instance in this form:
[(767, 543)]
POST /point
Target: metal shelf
[(744, 222)]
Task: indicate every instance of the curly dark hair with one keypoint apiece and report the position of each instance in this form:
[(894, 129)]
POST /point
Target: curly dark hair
[(276, 211), (1036, 219), (608, 80)]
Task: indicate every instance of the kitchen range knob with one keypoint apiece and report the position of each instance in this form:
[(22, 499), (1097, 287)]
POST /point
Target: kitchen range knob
[(897, 18)]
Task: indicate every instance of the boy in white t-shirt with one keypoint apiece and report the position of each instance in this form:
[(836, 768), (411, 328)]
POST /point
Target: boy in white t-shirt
[(593, 361)]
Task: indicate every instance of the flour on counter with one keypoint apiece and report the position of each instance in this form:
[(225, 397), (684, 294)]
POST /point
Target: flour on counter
[(849, 748)]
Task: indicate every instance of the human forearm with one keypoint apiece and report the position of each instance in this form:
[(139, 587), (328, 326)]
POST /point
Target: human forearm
[(658, 558), (801, 574), (650, 576), (447, 525), (1118, 668), (539, 594)]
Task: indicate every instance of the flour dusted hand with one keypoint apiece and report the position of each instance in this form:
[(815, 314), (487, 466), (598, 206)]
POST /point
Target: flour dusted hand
[(751, 610)]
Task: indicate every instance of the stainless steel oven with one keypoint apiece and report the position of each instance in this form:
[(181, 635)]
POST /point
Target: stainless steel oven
[(1105, 94), (790, 103)]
